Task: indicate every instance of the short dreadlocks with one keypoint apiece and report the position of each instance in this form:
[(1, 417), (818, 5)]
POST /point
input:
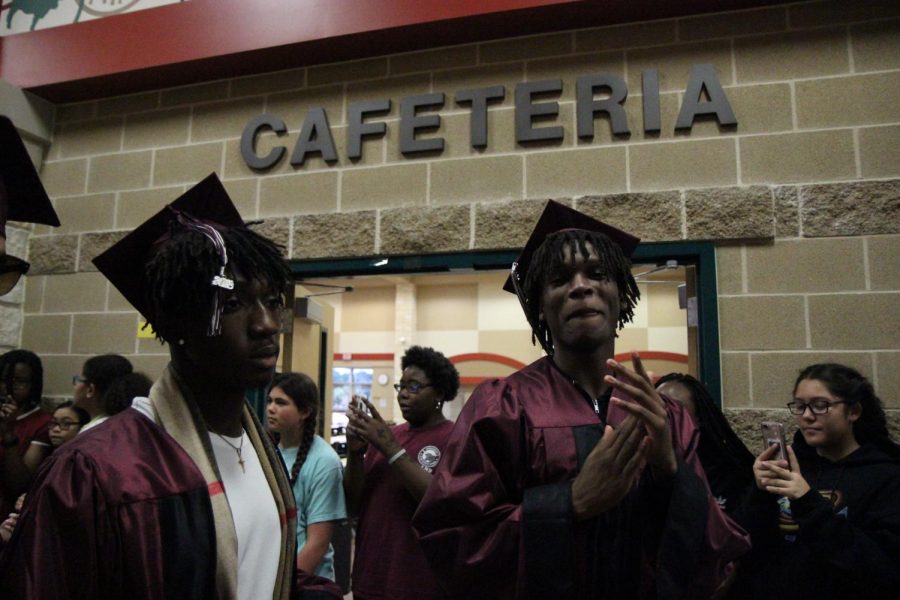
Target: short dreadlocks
[(551, 255), (178, 275)]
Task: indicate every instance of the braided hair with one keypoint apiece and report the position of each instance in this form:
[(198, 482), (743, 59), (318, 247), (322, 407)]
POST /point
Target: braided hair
[(178, 274), (849, 385), (551, 255), (304, 393)]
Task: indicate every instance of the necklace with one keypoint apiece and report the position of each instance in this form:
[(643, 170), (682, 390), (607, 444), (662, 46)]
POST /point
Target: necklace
[(237, 449)]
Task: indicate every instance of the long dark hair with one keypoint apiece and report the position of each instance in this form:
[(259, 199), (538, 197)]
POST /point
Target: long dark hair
[(727, 461), (304, 393), (850, 386)]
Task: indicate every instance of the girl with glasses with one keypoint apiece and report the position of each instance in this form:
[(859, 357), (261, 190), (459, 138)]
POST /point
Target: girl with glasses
[(67, 421), (388, 470), (826, 523)]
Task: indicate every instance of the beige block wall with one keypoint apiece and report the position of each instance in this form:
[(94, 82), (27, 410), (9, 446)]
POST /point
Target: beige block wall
[(801, 197)]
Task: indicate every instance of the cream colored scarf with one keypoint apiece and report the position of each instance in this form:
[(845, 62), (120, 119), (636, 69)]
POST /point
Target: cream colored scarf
[(179, 416)]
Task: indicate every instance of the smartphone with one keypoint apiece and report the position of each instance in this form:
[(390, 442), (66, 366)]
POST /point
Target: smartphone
[(773, 434), (358, 404)]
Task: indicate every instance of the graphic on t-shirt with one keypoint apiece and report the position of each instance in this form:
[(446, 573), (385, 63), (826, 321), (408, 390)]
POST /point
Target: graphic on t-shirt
[(788, 525), (786, 522), (429, 456)]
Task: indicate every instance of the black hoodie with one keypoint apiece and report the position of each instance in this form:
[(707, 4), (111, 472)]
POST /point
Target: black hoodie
[(839, 540)]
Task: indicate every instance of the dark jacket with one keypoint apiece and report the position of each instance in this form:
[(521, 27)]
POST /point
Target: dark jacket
[(840, 540)]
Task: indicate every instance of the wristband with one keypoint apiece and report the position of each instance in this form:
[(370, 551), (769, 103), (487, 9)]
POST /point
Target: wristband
[(395, 457)]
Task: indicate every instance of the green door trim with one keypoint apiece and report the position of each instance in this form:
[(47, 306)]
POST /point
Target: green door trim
[(702, 255)]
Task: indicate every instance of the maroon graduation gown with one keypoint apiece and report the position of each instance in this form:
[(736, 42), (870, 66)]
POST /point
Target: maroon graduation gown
[(497, 521), (121, 512)]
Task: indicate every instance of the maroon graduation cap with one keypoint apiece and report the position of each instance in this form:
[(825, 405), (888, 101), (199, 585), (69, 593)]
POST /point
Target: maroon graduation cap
[(21, 191), (559, 217), (22, 198), (206, 208)]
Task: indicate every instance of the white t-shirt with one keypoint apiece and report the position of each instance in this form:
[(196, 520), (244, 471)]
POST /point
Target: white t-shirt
[(253, 509)]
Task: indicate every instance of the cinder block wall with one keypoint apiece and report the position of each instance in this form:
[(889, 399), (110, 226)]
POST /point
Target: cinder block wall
[(803, 198)]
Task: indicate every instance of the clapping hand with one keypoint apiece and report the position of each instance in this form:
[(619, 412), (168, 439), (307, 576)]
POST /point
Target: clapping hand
[(647, 405)]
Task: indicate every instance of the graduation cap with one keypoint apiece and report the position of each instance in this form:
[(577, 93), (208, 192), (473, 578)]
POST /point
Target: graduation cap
[(205, 208), (22, 198), (559, 217)]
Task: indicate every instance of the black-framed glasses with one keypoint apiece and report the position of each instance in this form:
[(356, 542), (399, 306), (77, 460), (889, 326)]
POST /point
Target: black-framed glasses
[(64, 425), (76, 379), (819, 406), (413, 387)]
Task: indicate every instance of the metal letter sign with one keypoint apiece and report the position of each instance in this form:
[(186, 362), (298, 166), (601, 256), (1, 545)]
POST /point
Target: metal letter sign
[(703, 96)]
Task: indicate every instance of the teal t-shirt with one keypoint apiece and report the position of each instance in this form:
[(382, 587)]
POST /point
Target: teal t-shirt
[(319, 493)]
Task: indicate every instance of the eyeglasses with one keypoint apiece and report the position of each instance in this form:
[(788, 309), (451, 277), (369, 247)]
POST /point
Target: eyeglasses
[(76, 379), (413, 387), (819, 406), (64, 425)]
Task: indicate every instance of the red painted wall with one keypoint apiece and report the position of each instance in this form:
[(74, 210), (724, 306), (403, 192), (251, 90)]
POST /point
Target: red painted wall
[(201, 40)]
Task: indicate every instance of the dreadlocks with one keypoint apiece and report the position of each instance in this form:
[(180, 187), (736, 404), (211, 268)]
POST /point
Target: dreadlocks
[(552, 254), (179, 273)]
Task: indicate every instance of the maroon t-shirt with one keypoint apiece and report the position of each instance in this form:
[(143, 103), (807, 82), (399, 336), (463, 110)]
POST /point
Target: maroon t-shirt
[(30, 427), (388, 562)]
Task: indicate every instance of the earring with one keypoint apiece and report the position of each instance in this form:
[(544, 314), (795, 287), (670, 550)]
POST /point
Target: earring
[(181, 342)]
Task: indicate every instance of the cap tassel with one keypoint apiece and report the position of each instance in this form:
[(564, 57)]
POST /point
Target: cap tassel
[(219, 282)]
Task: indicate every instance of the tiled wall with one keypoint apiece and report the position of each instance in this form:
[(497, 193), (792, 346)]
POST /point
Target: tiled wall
[(803, 197)]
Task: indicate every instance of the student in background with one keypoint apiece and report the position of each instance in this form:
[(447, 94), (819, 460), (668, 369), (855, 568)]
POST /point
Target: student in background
[(388, 470), (24, 439), (67, 421), (314, 469), (97, 374), (826, 522), (726, 461)]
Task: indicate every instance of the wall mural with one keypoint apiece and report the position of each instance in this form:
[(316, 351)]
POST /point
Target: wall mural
[(19, 16)]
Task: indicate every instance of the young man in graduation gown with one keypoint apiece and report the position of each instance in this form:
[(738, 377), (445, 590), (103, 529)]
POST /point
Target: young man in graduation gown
[(22, 198), (182, 495), (572, 478)]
